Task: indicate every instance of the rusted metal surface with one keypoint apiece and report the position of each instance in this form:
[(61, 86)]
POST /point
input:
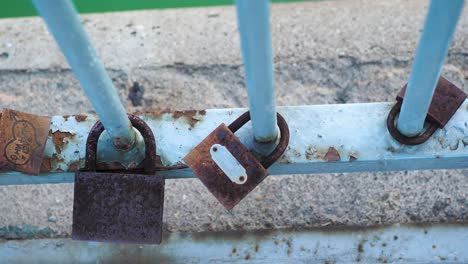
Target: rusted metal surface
[(445, 102), (23, 139), (314, 129), (398, 136), (332, 155), (192, 116), (119, 207), (139, 124), (228, 192), (268, 160)]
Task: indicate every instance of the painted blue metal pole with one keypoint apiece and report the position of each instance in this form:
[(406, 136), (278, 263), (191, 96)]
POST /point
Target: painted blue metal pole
[(64, 24), (254, 28), (433, 46)]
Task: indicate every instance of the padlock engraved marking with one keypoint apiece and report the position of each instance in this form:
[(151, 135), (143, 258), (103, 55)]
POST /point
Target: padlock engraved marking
[(23, 139), (228, 164)]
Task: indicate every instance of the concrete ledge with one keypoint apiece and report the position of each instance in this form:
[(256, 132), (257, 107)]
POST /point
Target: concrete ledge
[(331, 52), (393, 244)]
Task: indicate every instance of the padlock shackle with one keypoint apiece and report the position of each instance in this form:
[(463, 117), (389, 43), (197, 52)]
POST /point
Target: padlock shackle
[(138, 124), (268, 160), (405, 140)]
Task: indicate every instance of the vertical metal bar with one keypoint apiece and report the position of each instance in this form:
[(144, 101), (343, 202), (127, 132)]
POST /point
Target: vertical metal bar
[(254, 28), (433, 46), (63, 22)]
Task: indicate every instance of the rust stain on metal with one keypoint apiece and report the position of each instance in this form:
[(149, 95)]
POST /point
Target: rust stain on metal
[(227, 192), (315, 153), (445, 102), (75, 166), (46, 165), (119, 207), (218, 183), (58, 139), (80, 118), (332, 155), (192, 116), (50, 164), (54, 161)]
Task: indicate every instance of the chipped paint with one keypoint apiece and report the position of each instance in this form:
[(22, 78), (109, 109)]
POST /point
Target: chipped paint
[(60, 138), (332, 155), (191, 116), (366, 138), (80, 118)]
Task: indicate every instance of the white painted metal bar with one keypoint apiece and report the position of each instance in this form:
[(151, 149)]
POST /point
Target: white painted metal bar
[(433, 46), (254, 29), (394, 244), (357, 132), (64, 24)]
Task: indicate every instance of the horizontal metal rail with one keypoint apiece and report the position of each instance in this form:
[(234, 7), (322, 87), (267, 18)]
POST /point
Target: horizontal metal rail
[(64, 24), (433, 46), (357, 133)]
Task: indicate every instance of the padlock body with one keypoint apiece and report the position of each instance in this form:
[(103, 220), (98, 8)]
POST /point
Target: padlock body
[(114, 207), (445, 102), (218, 183)]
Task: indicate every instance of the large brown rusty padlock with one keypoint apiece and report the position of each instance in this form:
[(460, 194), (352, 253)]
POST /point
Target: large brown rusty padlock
[(119, 207), (226, 167)]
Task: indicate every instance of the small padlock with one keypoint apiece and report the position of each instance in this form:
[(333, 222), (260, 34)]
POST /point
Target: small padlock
[(119, 207), (23, 139), (445, 102), (226, 167)]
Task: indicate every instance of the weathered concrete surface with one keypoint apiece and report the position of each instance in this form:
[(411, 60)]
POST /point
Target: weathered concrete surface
[(325, 52)]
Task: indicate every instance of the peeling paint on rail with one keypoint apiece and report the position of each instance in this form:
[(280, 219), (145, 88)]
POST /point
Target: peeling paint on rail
[(356, 133)]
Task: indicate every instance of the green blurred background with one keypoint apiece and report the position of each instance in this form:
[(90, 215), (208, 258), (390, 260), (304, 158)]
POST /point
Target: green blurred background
[(22, 8)]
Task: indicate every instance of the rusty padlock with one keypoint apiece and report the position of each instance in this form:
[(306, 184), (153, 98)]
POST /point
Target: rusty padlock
[(226, 167), (119, 207), (445, 102), (23, 139)]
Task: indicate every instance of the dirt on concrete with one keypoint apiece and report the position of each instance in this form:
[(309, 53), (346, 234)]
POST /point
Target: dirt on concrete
[(324, 52)]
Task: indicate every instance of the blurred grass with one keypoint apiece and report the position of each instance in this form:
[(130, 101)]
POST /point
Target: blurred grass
[(22, 8)]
